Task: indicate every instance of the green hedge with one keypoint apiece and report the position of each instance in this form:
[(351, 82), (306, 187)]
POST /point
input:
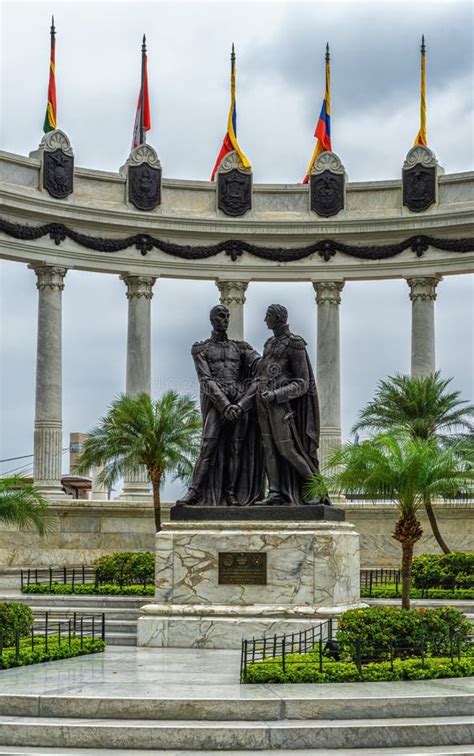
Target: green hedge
[(14, 618), (454, 570), (305, 669), (55, 651), (103, 589), (389, 591), (377, 630), (126, 568)]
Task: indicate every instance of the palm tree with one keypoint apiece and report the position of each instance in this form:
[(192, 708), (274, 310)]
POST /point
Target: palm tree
[(163, 435), (21, 504), (424, 408), (405, 468)]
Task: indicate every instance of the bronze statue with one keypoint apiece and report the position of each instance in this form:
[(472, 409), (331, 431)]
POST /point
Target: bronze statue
[(229, 470), (288, 412)]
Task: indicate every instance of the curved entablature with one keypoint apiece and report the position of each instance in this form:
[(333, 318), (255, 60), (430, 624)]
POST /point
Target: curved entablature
[(95, 227)]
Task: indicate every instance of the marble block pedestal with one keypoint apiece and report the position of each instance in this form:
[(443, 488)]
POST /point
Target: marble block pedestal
[(312, 573)]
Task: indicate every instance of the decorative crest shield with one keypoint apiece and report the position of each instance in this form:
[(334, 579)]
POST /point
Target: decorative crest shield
[(327, 193), (144, 186), (57, 157), (234, 192), (419, 179), (327, 185)]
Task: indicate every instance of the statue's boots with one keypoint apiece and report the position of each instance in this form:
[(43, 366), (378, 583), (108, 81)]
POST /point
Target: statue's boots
[(189, 500), (274, 499), (232, 500)]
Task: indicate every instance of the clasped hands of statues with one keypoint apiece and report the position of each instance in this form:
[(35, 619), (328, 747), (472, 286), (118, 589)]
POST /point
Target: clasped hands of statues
[(234, 412)]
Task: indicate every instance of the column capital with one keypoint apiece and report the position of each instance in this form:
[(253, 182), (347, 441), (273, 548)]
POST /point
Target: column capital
[(138, 286), (49, 276), (232, 292), (423, 288), (328, 292)]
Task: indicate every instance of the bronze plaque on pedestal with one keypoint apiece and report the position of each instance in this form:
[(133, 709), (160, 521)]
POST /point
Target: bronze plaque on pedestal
[(242, 568)]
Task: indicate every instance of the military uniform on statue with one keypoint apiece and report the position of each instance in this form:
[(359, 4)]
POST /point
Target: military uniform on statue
[(229, 470), (288, 412)]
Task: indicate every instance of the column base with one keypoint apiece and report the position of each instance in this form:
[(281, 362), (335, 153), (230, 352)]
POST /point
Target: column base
[(330, 438), (136, 487), (51, 489)]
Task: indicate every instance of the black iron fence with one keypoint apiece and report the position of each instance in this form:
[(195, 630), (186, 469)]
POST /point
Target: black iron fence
[(319, 637), (319, 645), (371, 578), (62, 575), (72, 576), (47, 630)]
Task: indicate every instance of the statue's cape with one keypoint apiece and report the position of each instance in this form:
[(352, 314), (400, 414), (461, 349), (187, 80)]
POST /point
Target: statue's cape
[(305, 435)]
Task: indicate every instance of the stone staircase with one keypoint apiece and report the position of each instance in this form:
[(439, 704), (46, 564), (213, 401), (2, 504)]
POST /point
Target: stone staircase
[(121, 612), (415, 722)]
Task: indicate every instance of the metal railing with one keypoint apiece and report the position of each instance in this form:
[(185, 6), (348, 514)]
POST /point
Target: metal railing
[(281, 646), (71, 576), (371, 578), (46, 631), (62, 575), (319, 644)]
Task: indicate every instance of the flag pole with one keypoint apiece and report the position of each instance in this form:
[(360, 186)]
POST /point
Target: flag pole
[(142, 92)]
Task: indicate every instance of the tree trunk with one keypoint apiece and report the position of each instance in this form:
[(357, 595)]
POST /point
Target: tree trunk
[(156, 484), (407, 557), (434, 527), (407, 531)]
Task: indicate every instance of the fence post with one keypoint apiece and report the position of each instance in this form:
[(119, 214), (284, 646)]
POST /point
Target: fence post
[(370, 582), (93, 627), (451, 645), (422, 651), (69, 630), (274, 646), (32, 638), (65, 575), (46, 628), (396, 583), (59, 632), (1, 650), (17, 644), (283, 654), (21, 580), (320, 648), (50, 577), (264, 646), (82, 632), (103, 626), (74, 620), (73, 578)]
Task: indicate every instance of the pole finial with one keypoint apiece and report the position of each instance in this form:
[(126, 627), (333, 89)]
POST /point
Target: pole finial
[(423, 47), (327, 53), (144, 44), (53, 28), (232, 55)]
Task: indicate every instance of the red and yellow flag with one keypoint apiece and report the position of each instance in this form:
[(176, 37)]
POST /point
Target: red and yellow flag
[(230, 142), (323, 126), (143, 115), (50, 115), (421, 137)]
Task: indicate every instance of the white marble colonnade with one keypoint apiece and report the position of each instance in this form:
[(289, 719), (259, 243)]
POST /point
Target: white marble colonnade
[(139, 292)]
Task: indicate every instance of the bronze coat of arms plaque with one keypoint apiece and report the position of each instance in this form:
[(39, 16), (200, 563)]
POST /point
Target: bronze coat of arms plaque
[(58, 174), (419, 188), (234, 192), (242, 568), (327, 193), (144, 186)]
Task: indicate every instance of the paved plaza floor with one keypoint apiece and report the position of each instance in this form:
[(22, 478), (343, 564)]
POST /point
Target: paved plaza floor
[(151, 675)]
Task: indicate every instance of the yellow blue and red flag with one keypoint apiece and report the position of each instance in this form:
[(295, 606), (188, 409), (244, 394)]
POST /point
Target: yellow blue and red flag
[(421, 137), (230, 142), (323, 126), (142, 122), (50, 115)]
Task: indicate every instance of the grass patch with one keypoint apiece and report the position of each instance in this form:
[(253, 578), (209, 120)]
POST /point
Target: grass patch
[(38, 653), (305, 668), (103, 589)]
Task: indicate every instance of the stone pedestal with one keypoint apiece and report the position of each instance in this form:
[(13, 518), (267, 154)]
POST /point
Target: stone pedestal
[(312, 572)]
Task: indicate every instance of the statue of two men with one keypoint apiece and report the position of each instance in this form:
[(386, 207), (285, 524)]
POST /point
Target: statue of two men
[(260, 414)]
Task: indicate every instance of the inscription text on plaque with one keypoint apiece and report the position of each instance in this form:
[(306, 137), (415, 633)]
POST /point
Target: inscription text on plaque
[(242, 568)]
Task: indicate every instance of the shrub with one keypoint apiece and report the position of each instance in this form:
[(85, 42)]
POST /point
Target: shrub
[(125, 567), (377, 631), (55, 651), (14, 618), (305, 670), (389, 590), (103, 589), (444, 570)]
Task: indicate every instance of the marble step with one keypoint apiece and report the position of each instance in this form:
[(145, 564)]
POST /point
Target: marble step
[(120, 638), (246, 735), (461, 750), (73, 600), (257, 706)]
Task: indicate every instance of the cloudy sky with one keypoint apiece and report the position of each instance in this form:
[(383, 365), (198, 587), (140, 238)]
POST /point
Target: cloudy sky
[(280, 83)]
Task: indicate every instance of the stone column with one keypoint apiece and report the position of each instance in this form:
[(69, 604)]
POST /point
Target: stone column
[(138, 376), (48, 433), (423, 295), (328, 367), (232, 295)]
